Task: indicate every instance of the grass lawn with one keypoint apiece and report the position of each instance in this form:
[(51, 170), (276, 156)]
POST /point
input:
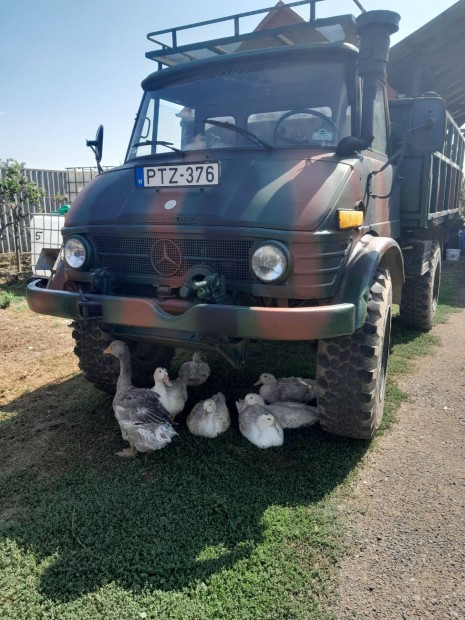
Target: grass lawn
[(200, 530)]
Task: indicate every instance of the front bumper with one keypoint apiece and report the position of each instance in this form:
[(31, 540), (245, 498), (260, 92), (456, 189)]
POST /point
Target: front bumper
[(224, 321)]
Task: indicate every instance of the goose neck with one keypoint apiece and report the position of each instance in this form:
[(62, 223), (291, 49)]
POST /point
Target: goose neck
[(124, 379)]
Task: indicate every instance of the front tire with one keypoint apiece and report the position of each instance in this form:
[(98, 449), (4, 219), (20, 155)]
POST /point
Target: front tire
[(103, 370), (351, 370)]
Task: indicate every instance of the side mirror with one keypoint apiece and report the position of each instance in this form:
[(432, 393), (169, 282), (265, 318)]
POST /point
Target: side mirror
[(352, 144), (97, 147), (428, 125)]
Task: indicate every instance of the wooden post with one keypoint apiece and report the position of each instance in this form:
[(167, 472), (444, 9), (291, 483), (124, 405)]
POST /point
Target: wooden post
[(17, 240)]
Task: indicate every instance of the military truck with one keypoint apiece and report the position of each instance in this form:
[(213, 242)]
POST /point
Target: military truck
[(270, 191)]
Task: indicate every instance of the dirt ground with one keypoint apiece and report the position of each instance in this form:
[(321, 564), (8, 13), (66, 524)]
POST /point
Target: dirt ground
[(406, 511), (36, 351), (36, 358)]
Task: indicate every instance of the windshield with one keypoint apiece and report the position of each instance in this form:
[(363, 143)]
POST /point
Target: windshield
[(255, 106)]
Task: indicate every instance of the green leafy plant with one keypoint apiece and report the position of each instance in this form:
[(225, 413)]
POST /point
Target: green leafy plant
[(6, 297), (61, 199), (15, 190)]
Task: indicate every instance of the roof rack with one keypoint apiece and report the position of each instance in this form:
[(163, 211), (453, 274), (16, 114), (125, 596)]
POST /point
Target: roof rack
[(328, 30)]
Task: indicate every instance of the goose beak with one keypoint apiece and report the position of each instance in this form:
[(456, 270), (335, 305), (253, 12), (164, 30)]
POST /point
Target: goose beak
[(259, 382), (106, 351)]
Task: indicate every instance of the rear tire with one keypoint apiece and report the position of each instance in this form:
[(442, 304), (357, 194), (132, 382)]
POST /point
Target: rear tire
[(103, 370), (420, 294), (351, 370)]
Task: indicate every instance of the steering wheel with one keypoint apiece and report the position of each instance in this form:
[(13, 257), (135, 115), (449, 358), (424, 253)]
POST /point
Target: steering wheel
[(276, 133)]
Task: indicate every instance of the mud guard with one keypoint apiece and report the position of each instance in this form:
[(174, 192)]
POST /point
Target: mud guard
[(369, 253)]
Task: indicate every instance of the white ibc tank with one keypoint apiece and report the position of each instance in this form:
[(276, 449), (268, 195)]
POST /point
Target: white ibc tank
[(45, 234), (452, 254)]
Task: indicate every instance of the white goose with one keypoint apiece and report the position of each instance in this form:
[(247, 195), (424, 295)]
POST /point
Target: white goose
[(288, 414), (144, 421), (209, 418), (173, 395), (196, 371), (286, 388), (259, 426)]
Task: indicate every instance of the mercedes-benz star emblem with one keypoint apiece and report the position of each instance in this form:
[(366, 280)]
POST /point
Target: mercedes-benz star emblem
[(166, 257)]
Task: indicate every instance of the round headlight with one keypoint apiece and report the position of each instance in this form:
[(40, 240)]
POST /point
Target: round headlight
[(76, 252), (269, 262)]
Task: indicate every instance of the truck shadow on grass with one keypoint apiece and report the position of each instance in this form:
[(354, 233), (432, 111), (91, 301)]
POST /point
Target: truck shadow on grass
[(173, 519), (165, 520)]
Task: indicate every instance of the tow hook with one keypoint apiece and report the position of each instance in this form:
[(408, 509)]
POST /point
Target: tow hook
[(89, 310), (211, 289)]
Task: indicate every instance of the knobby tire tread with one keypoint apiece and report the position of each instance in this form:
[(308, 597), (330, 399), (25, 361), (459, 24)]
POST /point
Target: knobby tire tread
[(348, 369), (417, 307), (103, 370)]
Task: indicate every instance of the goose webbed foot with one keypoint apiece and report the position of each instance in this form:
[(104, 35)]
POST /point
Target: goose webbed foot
[(127, 452)]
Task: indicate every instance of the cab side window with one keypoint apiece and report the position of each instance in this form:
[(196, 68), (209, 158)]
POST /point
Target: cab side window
[(379, 122)]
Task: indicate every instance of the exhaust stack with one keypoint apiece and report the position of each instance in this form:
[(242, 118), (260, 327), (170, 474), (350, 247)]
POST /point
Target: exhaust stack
[(374, 29)]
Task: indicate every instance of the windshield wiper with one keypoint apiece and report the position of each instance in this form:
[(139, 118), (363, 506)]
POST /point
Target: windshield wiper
[(161, 143), (240, 130)]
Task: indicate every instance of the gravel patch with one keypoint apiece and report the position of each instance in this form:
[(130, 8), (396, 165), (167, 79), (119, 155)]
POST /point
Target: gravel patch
[(406, 512)]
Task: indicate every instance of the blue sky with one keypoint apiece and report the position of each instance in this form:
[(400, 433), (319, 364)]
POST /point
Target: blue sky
[(69, 65)]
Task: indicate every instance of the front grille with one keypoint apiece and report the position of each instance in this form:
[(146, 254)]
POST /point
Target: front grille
[(144, 256)]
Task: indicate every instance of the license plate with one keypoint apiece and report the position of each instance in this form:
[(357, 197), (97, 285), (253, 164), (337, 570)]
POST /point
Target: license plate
[(181, 175)]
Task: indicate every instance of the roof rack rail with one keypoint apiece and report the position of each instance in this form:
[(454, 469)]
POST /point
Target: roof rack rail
[(328, 30)]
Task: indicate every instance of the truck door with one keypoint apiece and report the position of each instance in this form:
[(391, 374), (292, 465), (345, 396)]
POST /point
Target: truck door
[(383, 213)]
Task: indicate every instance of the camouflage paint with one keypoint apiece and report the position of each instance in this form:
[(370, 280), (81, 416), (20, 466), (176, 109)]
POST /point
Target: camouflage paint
[(287, 195), (220, 320)]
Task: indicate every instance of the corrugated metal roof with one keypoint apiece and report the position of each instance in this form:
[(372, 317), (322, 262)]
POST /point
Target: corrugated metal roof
[(433, 59)]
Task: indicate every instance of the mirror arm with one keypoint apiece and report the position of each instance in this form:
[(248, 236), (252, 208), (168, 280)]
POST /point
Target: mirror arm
[(430, 123), (96, 146), (92, 144), (399, 154)]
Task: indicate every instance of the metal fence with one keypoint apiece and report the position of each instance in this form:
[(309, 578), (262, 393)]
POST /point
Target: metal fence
[(76, 178), (56, 185)]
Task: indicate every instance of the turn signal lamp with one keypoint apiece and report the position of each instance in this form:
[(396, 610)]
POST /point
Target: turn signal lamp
[(348, 218)]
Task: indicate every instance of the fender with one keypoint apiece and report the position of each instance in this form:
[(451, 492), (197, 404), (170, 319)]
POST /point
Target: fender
[(369, 253)]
